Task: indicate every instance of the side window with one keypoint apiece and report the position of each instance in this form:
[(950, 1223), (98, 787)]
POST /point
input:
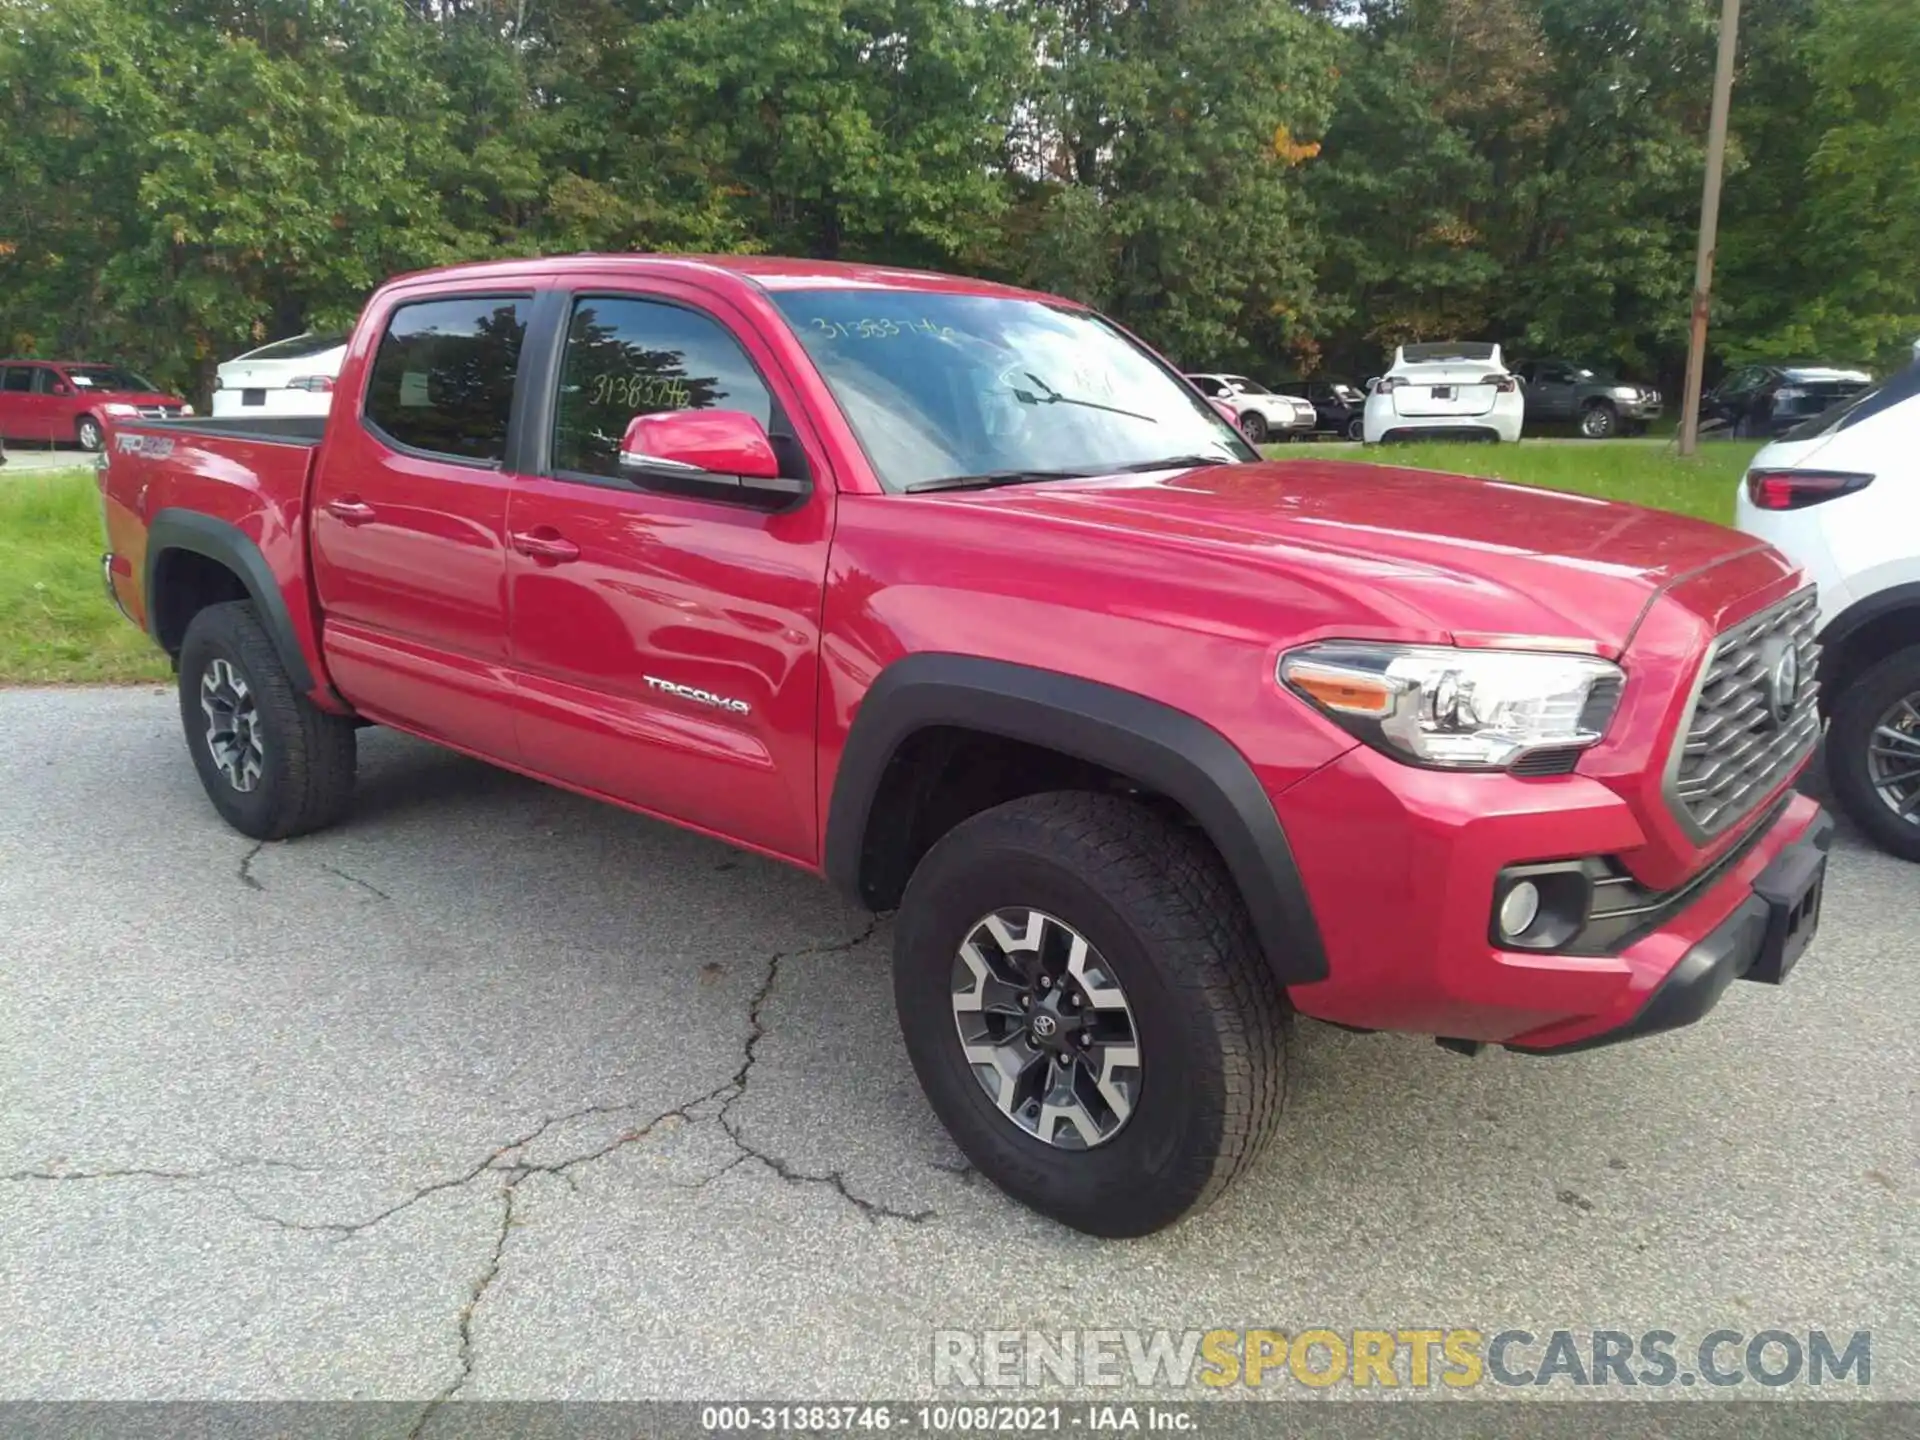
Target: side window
[(17, 379), (1209, 387), (443, 377), (628, 357)]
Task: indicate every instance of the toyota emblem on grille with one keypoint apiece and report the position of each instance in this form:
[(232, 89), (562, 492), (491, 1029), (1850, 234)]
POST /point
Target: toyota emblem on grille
[(1780, 670)]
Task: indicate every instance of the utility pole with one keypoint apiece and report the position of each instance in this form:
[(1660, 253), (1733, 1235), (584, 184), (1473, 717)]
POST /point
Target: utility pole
[(1709, 226)]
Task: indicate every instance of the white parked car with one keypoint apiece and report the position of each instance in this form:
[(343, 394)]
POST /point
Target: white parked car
[(288, 377), (1450, 390), (1263, 415), (1840, 495)]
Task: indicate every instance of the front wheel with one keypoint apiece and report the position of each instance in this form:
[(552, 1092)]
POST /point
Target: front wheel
[(273, 763), (1599, 421), (1253, 425), (1873, 753), (1085, 1005), (88, 434), (1357, 429)]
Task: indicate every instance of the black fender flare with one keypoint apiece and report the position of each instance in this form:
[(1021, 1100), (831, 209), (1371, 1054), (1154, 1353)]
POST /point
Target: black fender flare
[(1162, 749), (1864, 611), (176, 529)]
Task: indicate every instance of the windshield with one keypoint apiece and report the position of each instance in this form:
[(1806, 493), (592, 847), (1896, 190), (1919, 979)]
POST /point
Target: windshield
[(1861, 405), (939, 386), (298, 348), (106, 377), (1346, 393)]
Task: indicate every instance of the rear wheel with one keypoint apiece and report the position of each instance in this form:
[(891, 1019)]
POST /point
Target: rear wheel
[(1085, 1005), (273, 764), (1253, 425), (1873, 753), (88, 434), (1356, 428), (1599, 421)]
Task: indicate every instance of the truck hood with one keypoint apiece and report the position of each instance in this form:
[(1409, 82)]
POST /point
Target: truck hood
[(1418, 549)]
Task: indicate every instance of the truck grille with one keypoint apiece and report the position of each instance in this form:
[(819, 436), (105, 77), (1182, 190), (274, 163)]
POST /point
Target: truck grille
[(1753, 717)]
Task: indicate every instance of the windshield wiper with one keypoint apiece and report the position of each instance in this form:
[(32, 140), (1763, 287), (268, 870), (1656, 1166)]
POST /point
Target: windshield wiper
[(1174, 462), (1051, 396), (990, 479)]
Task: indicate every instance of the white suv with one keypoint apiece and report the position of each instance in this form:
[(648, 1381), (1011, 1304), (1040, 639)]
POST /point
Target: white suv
[(1262, 414), (1449, 390), (1840, 495)]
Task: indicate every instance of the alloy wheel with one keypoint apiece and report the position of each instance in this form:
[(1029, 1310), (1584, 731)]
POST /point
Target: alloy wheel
[(1597, 422), (1046, 1027), (1893, 758), (233, 726)]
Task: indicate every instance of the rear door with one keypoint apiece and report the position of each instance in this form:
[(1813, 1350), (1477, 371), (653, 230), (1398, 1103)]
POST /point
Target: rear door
[(1441, 390), (650, 590), (18, 418), (1550, 393), (409, 519)]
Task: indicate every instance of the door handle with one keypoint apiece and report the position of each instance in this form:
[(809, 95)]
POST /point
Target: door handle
[(350, 510), (545, 545)]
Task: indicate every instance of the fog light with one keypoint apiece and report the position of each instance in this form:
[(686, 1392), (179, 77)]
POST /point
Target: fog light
[(1519, 909)]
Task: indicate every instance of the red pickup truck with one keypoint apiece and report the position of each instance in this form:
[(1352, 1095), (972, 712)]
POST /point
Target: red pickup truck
[(960, 597)]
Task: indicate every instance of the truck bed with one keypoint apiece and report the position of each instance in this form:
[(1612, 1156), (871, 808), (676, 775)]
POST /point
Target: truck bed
[(217, 503), (268, 429)]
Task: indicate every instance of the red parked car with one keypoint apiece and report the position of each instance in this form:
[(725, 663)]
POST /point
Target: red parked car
[(958, 596), (74, 403)]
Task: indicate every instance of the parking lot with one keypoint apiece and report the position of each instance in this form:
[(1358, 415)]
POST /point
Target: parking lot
[(498, 1092)]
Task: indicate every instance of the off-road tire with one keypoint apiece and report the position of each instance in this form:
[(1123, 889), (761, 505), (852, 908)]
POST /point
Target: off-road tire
[(306, 779), (1854, 712), (1212, 1023)]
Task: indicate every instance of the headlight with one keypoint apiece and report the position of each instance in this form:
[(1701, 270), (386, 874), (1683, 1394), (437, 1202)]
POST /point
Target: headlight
[(1456, 709), (117, 409), (1626, 392)]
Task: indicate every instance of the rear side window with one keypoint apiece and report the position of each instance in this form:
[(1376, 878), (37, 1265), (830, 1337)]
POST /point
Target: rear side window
[(629, 357), (16, 379), (443, 375)]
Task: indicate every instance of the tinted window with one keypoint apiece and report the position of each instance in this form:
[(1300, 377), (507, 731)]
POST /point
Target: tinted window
[(443, 376), (1208, 386), (640, 357), (16, 379)]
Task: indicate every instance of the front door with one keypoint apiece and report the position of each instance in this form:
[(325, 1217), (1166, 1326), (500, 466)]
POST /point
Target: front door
[(666, 646), (409, 522)]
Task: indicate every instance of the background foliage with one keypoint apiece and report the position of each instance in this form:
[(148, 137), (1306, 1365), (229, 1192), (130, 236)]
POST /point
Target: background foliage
[(1281, 186)]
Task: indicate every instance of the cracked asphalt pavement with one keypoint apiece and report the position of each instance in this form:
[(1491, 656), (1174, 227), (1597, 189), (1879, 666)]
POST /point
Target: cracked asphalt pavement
[(495, 1092)]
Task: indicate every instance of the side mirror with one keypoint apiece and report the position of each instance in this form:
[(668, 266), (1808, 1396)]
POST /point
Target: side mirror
[(1226, 412), (716, 454)]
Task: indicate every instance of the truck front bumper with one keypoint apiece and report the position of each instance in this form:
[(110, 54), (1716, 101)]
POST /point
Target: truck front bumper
[(1403, 868)]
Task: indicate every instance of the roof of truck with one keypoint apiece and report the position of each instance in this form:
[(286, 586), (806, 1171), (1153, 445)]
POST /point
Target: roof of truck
[(768, 272)]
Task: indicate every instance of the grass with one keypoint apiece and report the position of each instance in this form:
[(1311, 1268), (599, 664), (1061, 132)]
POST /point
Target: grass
[(1647, 472), (57, 627), (56, 624)]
